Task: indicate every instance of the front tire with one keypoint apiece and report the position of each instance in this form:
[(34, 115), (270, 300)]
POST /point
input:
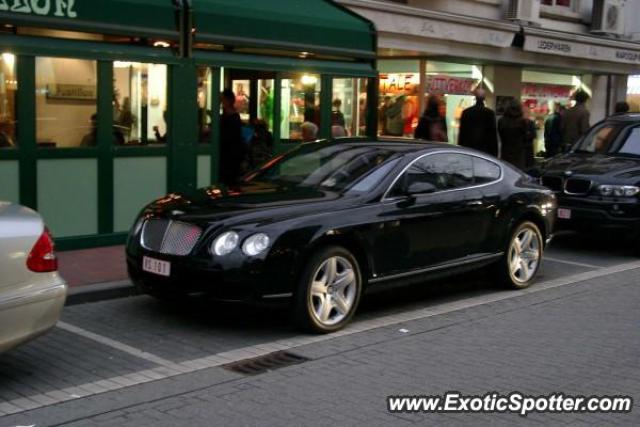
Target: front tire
[(329, 291), (520, 264)]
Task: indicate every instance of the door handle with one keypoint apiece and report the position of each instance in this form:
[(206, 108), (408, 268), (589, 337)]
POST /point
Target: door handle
[(475, 203)]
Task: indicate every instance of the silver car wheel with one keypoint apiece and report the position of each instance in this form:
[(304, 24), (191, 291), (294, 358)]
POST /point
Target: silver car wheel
[(333, 291), (524, 255)]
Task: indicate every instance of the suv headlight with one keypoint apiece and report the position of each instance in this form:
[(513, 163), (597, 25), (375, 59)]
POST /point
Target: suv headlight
[(255, 244), (618, 190), (225, 243)]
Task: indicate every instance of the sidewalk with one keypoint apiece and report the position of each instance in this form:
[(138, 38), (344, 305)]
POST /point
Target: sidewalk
[(95, 274)]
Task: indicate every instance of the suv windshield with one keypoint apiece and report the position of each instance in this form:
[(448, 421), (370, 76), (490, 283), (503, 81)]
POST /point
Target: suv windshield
[(334, 167), (600, 139), (632, 143)]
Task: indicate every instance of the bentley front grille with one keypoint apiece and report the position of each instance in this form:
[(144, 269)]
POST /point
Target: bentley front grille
[(170, 237)]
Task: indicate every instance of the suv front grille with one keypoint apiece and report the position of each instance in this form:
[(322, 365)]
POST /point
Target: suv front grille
[(554, 183), (577, 187), (169, 237)]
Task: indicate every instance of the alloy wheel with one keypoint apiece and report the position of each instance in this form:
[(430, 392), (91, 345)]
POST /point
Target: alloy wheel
[(524, 255), (333, 291)]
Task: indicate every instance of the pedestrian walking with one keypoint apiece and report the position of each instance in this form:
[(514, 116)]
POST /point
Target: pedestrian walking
[(432, 126), (513, 129), (478, 126), (552, 132), (575, 121)]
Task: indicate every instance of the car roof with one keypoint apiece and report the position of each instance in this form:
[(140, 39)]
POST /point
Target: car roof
[(397, 145)]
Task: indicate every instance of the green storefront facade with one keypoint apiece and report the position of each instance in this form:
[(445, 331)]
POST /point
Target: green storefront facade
[(106, 105)]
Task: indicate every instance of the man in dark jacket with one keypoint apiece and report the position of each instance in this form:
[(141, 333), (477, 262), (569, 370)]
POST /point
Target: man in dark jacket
[(552, 132), (478, 127)]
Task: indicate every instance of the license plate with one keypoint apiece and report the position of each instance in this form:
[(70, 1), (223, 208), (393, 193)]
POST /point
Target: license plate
[(156, 266), (564, 213)]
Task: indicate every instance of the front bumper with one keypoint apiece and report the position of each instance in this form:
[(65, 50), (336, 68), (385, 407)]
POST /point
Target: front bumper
[(601, 215)]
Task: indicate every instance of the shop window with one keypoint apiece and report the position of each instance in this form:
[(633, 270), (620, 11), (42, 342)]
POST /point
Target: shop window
[(565, 3), (139, 103), (205, 109), (66, 102), (452, 85), (8, 93), (349, 107), (541, 93), (398, 104), (265, 102), (300, 103)]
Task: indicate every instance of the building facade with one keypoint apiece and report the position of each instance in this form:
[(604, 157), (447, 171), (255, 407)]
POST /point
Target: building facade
[(538, 51), (106, 105)]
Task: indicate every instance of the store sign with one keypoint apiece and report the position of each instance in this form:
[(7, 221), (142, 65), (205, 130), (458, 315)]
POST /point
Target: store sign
[(546, 91), (399, 83), (580, 50), (450, 85), (59, 8), (72, 92)]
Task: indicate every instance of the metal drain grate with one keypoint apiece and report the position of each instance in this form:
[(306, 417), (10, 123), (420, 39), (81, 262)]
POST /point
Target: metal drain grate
[(266, 363)]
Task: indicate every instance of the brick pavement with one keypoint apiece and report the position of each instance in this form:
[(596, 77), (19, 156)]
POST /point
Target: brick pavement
[(579, 339)]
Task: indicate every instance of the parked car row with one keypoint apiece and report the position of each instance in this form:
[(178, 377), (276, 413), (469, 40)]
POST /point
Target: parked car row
[(328, 221)]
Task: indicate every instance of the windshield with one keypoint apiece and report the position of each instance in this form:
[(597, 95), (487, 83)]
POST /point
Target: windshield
[(631, 145), (335, 167), (599, 140)]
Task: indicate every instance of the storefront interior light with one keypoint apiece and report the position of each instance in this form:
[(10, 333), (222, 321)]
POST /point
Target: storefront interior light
[(309, 80), (161, 43), (488, 84), (9, 59), (122, 64)]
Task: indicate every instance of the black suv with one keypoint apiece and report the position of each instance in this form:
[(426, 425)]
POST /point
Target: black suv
[(597, 183)]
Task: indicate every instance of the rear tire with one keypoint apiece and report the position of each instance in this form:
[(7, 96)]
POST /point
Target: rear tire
[(328, 291), (521, 261)]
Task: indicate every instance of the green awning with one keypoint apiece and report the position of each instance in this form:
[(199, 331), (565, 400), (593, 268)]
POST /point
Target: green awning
[(318, 26), (143, 18)]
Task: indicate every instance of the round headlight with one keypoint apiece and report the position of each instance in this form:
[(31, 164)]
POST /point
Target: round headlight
[(618, 191), (225, 243), (255, 244)]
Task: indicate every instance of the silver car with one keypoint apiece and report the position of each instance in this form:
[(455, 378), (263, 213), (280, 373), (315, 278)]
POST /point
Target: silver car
[(32, 293)]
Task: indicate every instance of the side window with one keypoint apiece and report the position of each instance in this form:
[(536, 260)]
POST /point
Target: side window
[(436, 173), (485, 171)]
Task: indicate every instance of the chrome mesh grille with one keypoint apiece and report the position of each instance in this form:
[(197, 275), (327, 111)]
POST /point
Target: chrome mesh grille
[(169, 237)]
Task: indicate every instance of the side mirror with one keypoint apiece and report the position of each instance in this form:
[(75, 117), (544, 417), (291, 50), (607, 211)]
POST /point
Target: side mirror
[(419, 187)]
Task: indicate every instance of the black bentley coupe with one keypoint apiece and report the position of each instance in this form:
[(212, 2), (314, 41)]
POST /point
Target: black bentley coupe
[(329, 219), (598, 182)]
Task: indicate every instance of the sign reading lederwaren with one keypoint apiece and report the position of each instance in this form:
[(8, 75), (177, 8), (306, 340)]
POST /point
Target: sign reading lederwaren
[(581, 50)]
